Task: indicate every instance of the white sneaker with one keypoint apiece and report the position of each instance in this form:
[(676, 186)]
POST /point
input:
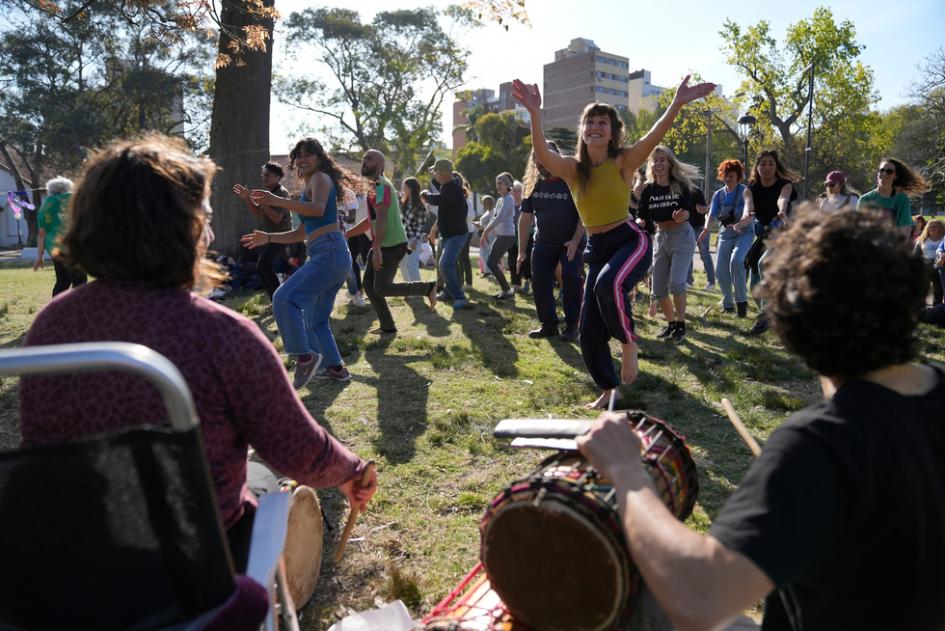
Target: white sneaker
[(351, 297), (709, 287), (358, 300)]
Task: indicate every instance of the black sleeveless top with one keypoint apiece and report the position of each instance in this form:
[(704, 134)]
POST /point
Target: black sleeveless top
[(766, 200)]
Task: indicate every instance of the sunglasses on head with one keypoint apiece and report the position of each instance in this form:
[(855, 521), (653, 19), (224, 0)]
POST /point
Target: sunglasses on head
[(888, 171)]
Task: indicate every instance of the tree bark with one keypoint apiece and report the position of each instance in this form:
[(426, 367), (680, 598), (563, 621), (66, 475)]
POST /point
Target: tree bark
[(239, 129)]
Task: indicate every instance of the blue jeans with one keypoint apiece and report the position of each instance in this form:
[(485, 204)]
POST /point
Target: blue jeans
[(303, 304), (731, 270), (706, 255), (450, 249)]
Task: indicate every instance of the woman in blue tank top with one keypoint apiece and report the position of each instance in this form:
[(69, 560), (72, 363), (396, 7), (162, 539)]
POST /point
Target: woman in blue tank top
[(302, 305)]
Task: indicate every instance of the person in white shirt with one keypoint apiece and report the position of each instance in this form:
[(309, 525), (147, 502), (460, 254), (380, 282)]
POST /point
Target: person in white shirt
[(929, 244)]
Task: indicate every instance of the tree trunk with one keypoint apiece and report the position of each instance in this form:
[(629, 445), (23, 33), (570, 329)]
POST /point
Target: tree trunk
[(239, 130)]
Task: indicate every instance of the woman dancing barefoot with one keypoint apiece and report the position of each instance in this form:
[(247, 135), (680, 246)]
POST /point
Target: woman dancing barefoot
[(618, 252)]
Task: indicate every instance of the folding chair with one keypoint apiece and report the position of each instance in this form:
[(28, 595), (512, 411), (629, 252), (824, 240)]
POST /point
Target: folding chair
[(121, 531)]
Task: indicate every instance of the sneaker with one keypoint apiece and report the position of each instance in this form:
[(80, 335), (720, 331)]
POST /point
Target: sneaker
[(505, 295), (337, 373), (443, 296), (304, 371), (728, 309), (760, 326), (358, 300), (467, 286), (525, 288), (461, 304), (546, 330), (667, 332), (709, 287), (742, 308), (570, 333), (679, 334), (383, 331)]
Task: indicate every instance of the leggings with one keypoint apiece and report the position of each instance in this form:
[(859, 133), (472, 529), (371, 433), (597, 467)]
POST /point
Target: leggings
[(616, 261), (499, 248)]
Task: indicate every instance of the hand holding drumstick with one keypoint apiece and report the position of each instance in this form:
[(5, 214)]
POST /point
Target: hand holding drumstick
[(358, 497)]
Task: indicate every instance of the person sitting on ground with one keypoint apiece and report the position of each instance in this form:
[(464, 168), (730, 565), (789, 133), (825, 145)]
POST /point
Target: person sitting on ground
[(927, 246), (51, 223), (142, 227), (847, 492)]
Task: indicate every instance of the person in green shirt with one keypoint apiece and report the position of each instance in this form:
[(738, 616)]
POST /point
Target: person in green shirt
[(896, 182), (51, 223), (388, 247)]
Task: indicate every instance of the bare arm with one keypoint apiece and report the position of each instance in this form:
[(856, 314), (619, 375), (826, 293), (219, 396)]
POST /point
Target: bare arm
[(319, 187), (748, 214), (632, 157), (699, 582), (525, 221), (40, 248), (258, 238), (361, 228), (564, 167), (784, 200)]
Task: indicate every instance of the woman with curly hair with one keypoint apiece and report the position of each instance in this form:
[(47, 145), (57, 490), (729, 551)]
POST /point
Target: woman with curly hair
[(728, 206), (303, 304), (618, 252), (896, 182)]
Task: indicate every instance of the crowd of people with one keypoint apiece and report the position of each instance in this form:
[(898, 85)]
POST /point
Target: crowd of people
[(841, 289)]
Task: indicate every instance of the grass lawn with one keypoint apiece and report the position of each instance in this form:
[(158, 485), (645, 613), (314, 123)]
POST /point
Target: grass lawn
[(423, 405)]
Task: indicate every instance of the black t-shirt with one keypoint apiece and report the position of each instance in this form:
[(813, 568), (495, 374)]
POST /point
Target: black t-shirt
[(845, 512), (765, 199), (556, 216), (451, 211), (658, 203), (285, 221), (696, 218)]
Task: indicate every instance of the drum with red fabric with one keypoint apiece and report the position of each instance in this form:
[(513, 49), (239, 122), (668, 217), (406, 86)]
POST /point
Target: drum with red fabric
[(552, 543)]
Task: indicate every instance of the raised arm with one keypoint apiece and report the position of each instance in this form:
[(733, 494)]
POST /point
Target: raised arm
[(564, 167), (632, 157)]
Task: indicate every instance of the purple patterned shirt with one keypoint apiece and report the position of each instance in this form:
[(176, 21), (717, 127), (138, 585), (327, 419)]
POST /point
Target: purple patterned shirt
[(239, 385)]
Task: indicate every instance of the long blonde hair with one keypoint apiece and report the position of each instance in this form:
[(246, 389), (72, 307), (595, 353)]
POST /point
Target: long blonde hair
[(925, 231), (681, 175), (532, 175)]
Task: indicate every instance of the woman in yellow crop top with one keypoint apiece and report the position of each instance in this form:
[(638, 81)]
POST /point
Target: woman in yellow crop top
[(618, 253)]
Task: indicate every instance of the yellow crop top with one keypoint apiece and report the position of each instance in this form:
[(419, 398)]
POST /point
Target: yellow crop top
[(605, 199)]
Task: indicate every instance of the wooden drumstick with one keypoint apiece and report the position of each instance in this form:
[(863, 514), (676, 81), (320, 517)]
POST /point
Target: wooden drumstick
[(349, 526), (740, 427)]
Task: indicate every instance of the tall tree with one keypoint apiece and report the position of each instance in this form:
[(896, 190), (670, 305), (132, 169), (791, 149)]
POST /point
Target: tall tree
[(73, 85), (388, 77), (239, 124), (241, 94), (777, 74)]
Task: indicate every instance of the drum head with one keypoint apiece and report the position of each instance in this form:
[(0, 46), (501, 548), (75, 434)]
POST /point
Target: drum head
[(554, 568), (303, 545)]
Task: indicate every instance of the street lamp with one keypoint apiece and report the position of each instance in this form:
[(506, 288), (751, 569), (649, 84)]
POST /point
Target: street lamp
[(745, 123)]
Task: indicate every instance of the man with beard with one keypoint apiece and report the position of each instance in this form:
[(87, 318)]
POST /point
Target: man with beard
[(559, 240), (388, 247)]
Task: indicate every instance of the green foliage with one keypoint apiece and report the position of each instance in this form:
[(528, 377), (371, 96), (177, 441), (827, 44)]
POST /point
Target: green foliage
[(503, 145), (776, 79), (388, 77)]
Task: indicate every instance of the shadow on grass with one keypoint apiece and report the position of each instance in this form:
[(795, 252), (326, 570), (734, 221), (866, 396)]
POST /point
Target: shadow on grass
[(487, 328), (402, 395)]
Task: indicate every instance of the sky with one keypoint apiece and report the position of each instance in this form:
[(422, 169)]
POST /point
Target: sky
[(897, 37)]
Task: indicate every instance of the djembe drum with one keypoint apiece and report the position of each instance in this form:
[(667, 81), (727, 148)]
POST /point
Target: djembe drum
[(302, 551), (552, 543)]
